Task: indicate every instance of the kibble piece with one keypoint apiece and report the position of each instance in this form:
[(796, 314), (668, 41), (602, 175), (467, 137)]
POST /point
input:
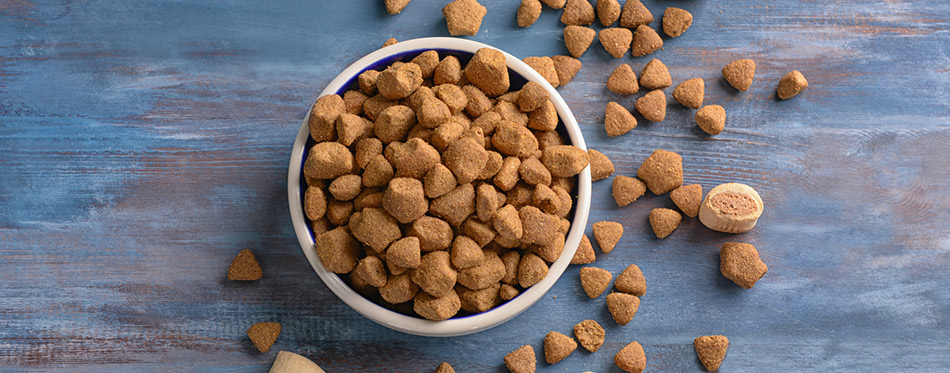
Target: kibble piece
[(399, 289), (435, 274), (577, 39), (448, 71), (554, 4), (566, 67), (492, 166), (548, 138), (616, 40), (507, 222), (791, 85), (539, 228), (328, 160), (508, 175), (453, 97), (466, 157), (444, 368), (372, 270), (711, 350), (433, 112), (245, 267), (438, 181), (369, 197), (655, 75), (631, 281), (415, 100), (557, 346), (522, 360), (318, 227), (600, 166), (314, 203), (455, 206), (466, 253), (464, 17), (433, 233), (488, 71), (546, 199), (533, 172), (578, 12), (607, 234), (688, 198), (662, 171), (594, 281), (446, 134), (509, 112), (513, 139), (544, 119), (731, 208), (346, 187), (397, 82), (631, 358), (437, 308), (405, 253), (378, 172), (485, 274), (565, 160), (739, 74), (528, 12), (366, 149), (375, 105), (507, 292), (353, 101), (740, 263), (338, 212), (389, 42), (544, 65), (323, 116), (711, 119), (395, 6), (618, 120), (510, 97), (376, 228), (481, 232), (478, 104), (351, 128), (413, 158), (478, 300), (427, 62), (622, 307), (623, 81), (608, 12), (338, 251), (486, 202), (531, 270), (511, 260), (367, 81), (690, 93), (652, 106), (664, 221), (635, 14), (676, 21), (264, 334), (405, 199), (590, 335), (532, 96), (585, 252)]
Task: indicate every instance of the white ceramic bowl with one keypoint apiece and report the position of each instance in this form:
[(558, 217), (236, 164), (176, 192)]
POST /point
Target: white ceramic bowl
[(404, 50)]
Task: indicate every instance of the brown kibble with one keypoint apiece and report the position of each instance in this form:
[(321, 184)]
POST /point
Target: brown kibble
[(544, 65), (585, 252), (577, 12), (485, 274), (544, 119), (740, 263), (478, 103), (405, 199), (351, 128), (397, 82), (508, 175), (635, 14), (427, 61), (652, 106), (655, 75), (453, 97), (245, 267), (338, 212), (507, 223), (522, 360), (690, 93), (600, 166), (565, 160), (466, 157), (511, 260), (456, 205), (515, 140), (509, 111), (631, 358), (328, 160), (791, 85), (446, 134), (676, 21), (608, 12), (577, 39), (488, 71), (532, 96), (594, 280), (413, 158), (369, 197), (318, 227), (438, 181), (631, 281), (433, 112), (314, 203), (444, 368), (618, 120), (264, 334), (378, 172), (338, 251), (664, 221), (366, 149), (711, 350), (607, 234), (435, 274), (466, 253), (533, 172), (622, 307), (393, 7), (437, 308), (590, 335), (711, 119), (567, 67), (688, 198), (507, 292), (531, 270), (367, 81), (623, 81), (389, 42), (546, 199), (528, 12), (372, 270), (486, 202), (548, 138), (323, 115), (616, 40), (662, 171), (448, 71), (478, 300), (415, 100), (399, 289), (554, 4), (405, 253), (464, 17), (481, 232), (353, 101), (739, 74), (375, 105), (492, 165), (557, 346), (346, 187), (375, 228), (433, 233), (539, 228)]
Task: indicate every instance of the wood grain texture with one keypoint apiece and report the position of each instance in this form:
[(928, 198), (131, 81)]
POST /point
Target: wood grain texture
[(142, 145)]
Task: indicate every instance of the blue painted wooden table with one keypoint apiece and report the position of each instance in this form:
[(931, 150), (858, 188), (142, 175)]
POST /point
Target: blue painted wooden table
[(143, 144)]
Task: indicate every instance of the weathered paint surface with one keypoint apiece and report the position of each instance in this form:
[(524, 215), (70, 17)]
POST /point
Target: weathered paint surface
[(143, 144)]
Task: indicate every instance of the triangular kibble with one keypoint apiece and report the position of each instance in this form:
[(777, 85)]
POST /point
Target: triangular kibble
[(664, 221), (594, 280), (645, 41), (627, 189), (264, 334), (566, 68), (652, 106), (622, 307), (607, 234), (740, 73), (623, 81), (631, 281), (578, 38), (711, 350), (616, 40), (655, 75), (600, 166), (688, 198), (245, 267), (618, 120), (585, 252), (690, 93)]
